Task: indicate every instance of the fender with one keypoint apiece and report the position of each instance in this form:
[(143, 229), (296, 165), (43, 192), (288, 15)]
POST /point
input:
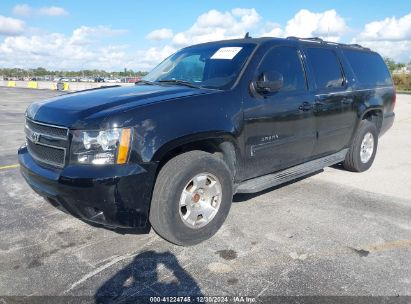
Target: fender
[(368, 100), (363, 110), (211, 137), (219, 142)]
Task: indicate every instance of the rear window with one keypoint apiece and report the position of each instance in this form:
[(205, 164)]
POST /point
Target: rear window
[(326, 68), (369, 68)]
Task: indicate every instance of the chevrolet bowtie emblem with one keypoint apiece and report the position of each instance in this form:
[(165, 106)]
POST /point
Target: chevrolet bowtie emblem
[(35, 137)]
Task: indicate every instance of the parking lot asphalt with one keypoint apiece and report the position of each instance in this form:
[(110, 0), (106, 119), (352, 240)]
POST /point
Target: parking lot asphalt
[(334, 233)]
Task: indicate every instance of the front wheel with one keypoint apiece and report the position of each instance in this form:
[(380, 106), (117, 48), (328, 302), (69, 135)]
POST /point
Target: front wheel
[(191, 198), (363, 149)]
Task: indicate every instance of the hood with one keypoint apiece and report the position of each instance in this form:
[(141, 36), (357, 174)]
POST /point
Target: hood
[(76, 108)]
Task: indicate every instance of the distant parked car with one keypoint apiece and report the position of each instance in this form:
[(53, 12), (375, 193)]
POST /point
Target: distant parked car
[(133, 79), (99, 79), (112, 80), (61, 79)]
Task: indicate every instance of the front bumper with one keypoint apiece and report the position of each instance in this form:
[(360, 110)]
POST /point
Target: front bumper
[(115, 196)]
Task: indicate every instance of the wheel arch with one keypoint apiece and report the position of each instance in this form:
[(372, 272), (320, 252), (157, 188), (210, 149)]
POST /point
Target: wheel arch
[(221, 144), (375, 115)]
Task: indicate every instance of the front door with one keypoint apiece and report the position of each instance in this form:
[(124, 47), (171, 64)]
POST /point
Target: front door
[(279, 127)]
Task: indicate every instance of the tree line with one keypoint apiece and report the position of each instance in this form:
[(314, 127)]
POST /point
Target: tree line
[(392, 65), (402, 81), (42, 72)]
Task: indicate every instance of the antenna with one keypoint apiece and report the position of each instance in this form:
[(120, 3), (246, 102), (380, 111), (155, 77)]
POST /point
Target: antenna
[(328, 31), (247, 35)]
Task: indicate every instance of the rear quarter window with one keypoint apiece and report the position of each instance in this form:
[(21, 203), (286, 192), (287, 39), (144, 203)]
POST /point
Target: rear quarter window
[(369, 68)]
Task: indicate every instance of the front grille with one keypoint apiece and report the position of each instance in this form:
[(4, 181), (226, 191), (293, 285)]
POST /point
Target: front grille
[(47, 144), (46, 129), (46, 154)]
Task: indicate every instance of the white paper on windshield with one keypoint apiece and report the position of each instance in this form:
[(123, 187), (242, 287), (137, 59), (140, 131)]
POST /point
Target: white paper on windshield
[(226, 53)]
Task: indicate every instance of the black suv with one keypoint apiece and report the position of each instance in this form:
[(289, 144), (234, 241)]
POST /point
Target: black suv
[(212, 120)]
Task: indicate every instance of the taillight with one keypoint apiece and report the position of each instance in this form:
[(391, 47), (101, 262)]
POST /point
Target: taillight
[(394, 99)]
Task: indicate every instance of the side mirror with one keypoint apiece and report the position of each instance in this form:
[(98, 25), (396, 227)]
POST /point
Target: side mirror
[(269, 82)]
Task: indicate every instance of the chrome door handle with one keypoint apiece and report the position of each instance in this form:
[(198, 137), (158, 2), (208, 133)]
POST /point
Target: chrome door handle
[(305, 106), (347, 100)]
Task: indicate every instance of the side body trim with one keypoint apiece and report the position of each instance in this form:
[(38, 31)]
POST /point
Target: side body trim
[(263, 182)]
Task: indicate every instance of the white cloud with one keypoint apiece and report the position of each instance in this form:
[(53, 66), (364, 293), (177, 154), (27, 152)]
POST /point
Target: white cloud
[(25, 10), (87, 47), (328, 25), (272, 29), (22, 10), (216, 25), (160, 34), (146, 59), (82, 49), (58, 51), (390, 37), (389, 29), (210, 26), (11, 26), (398, 50), (52, 11), (87, 34)]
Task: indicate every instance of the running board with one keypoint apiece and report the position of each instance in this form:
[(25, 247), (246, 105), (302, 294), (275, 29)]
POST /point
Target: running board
[(267, 181)]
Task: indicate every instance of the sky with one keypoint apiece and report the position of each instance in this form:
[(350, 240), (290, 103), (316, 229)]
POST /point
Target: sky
[(113, 35)]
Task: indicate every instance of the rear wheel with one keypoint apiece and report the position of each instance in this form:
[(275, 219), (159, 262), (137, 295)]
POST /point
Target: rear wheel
[(363, 149), (191, 198)]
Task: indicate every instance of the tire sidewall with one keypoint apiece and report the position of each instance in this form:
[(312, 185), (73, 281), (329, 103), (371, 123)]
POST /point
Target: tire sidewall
[(171, 210), (368, 128)]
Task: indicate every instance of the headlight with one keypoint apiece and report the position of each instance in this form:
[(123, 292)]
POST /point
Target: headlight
[(100, 147)]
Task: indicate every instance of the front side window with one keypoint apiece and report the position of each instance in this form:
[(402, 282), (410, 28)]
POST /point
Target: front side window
[(326, 68), (210, 66), (286, 61)]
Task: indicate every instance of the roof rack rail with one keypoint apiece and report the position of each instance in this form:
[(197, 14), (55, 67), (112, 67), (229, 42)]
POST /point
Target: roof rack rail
[(357, 45), (319, 40), (353, 45), (315, 39)]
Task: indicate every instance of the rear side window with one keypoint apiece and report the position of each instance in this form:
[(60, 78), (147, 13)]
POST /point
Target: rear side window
[(326, 68), (369, 68), (285, 60)]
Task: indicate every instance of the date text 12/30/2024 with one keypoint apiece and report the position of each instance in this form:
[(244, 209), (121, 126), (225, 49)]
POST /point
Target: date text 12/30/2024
[(202, 299)]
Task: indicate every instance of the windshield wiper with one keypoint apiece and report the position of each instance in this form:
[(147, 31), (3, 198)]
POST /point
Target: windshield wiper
[(181, 82), (145, 82)]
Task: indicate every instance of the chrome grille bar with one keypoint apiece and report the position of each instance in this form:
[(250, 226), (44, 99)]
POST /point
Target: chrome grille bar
[(46, 143), (53, 131)]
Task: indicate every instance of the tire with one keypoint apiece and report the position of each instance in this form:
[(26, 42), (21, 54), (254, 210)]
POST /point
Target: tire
[(353, 160), (167, 215)]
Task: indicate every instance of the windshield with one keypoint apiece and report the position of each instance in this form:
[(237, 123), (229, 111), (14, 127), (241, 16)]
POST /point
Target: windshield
[(212, 66)]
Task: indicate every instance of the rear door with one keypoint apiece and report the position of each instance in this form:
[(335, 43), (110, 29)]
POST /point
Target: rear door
[(280, 126), (334, 103)]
